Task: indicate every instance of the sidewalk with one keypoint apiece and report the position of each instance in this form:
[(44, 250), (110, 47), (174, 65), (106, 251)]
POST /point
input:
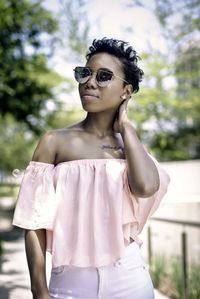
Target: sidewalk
[(14, 278)]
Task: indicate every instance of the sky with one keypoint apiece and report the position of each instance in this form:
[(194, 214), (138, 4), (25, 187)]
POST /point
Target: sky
[(112, 18), (117, 19)]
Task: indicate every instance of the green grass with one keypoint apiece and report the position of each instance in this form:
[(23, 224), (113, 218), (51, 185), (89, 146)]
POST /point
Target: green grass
[(158, 269), (176, 277), (194, 282), (167, 277)]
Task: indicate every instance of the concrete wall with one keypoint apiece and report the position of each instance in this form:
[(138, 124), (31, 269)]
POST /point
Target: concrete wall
[(182, 202)]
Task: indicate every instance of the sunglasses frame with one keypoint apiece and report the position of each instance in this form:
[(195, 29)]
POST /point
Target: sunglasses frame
[(97, 82)]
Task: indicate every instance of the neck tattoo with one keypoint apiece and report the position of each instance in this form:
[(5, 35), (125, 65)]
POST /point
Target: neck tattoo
[(111, 147)]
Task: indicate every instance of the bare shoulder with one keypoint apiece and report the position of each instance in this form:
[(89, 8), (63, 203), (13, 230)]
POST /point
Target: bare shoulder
[(53, 143), (46, 148)]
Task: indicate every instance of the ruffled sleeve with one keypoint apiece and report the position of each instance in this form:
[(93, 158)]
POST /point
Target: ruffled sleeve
[(136, 210), (35, 207)]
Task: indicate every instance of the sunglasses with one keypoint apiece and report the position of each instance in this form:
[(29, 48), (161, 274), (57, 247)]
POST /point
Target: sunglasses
[(103, 77)]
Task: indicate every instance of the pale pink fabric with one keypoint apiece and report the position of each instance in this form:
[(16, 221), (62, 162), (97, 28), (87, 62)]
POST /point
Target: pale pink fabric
[(86, 207)]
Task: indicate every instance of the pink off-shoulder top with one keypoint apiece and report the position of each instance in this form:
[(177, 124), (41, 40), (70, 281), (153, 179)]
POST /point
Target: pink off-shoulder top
[(86, 208)]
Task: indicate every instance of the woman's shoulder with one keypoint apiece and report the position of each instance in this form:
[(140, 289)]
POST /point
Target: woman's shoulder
[(46, 148), (56, 134), (56, 143)]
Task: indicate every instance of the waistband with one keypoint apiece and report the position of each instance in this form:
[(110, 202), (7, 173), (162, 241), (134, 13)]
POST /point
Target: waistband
[(131, 258)]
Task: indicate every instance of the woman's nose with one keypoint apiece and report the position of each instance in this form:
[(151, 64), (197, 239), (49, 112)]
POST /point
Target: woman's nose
[(91, 83)]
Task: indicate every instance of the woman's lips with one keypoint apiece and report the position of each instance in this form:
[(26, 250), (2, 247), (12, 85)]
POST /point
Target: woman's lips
[(88, 96)]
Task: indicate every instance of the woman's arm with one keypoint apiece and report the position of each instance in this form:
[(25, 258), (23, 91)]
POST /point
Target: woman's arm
[(35, 244), (35, 240), (142, 173)]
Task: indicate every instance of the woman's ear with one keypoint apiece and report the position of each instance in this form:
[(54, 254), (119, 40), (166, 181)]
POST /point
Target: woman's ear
[(129, 90)]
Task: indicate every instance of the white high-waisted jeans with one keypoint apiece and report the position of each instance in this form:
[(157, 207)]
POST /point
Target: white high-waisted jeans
[(127, 278)]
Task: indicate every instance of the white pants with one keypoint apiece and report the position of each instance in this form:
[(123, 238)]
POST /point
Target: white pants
[(128, 278)]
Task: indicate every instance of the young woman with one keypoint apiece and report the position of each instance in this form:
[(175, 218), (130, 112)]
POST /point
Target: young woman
[(90, 188)]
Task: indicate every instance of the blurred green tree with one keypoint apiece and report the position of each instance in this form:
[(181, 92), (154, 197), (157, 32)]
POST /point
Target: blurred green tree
[(177, 108), (75, 25), (27, 37), (74, 31), (152, 109), (16, 144), (180, 20), (181, 23)]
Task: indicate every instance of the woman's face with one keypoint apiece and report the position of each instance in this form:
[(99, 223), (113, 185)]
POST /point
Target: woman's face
[(95, 98)]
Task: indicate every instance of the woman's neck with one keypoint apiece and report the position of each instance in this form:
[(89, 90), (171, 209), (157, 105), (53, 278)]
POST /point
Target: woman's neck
[(99, 124)]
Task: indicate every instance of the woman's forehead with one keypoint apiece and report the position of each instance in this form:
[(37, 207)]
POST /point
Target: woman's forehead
[(105, 60)]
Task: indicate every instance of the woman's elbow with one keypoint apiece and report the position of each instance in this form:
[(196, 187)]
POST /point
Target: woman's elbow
[(145, 189)]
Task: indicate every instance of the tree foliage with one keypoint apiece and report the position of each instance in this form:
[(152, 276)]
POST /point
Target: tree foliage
[(26, 81), (152, 109), (180, 19), (167, 116), (177, 108), (16, 144), (75, 26)]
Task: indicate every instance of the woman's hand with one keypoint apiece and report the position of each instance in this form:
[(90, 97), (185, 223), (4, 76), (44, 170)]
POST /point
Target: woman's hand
[(121, 118)]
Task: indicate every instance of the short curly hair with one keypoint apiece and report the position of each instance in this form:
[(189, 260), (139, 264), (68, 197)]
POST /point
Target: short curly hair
[(125, 53)]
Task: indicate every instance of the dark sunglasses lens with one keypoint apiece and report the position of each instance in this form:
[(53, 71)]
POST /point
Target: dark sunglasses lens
[(103, 77), (82, 74)]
